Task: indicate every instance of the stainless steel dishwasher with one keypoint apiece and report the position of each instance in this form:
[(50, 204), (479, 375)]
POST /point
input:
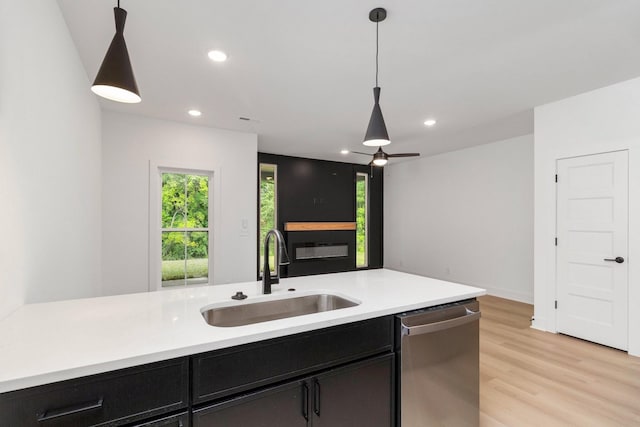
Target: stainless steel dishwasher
[(438, 366)]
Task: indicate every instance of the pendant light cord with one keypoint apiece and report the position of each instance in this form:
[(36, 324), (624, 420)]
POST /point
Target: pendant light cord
[(376, 53)]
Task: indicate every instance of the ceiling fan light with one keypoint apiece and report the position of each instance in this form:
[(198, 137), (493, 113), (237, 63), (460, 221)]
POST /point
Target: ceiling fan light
[(380, 158), (115, 79)]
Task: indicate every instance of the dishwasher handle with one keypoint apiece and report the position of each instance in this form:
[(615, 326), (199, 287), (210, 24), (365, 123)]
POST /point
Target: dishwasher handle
[(428, 328)]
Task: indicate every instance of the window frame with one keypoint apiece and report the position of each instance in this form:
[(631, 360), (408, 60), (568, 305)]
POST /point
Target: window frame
[(275, 209), (366, 219), (155, 222)]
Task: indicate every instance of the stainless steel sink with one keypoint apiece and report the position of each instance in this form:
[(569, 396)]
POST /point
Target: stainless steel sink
[(263, 311)]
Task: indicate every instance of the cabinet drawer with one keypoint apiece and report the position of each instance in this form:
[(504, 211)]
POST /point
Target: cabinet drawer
[(225, 372), (109, 399)]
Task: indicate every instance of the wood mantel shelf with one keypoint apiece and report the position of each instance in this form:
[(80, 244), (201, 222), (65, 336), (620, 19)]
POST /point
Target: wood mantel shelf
[(319, 226)]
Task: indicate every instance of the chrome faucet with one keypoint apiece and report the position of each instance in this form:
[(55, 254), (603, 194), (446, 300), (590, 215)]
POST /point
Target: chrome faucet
[(280, 258)]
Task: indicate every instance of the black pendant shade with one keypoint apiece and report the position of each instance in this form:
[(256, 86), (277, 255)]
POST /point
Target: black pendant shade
[(115, 79), (377, 130)]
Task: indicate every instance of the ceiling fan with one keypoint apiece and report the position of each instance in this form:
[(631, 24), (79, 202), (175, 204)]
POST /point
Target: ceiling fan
[(380, 158)]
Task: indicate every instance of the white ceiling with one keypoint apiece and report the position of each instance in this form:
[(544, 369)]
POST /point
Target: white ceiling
[(304, 71)]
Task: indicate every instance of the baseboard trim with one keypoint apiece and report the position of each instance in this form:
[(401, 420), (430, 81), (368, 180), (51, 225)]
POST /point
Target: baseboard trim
[(508, 294)]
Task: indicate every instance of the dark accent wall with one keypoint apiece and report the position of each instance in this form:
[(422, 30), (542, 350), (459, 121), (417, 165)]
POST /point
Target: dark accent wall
[(318, 190)]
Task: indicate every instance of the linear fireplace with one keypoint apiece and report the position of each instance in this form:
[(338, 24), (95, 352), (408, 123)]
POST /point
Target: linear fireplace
[(320, 249), (310, 251)]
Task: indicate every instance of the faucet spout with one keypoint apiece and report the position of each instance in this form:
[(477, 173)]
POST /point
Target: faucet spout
[(281, 257)]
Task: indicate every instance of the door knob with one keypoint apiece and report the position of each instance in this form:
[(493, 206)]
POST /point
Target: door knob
[(617, 259)]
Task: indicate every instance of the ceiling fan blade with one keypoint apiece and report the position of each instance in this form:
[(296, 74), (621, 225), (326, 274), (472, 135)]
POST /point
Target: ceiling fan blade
[(403, 155), (366, 154)]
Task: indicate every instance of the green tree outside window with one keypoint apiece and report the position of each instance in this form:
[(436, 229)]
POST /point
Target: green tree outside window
[(185, 229)]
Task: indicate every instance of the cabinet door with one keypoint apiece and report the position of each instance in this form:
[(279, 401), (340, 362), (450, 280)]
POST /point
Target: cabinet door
[(359, 394), (285, 405)]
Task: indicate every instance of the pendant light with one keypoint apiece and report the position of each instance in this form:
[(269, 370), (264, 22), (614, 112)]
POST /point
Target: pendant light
[(376, 131), (115, 79)]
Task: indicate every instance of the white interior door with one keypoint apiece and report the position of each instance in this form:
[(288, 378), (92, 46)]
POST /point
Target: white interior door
[(592, 227)]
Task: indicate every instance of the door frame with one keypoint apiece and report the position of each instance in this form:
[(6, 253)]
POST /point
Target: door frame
[(554, 294)]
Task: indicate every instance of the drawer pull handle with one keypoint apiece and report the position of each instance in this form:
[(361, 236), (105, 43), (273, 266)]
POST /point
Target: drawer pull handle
[(316, 397), (70, 410), (305, 401)]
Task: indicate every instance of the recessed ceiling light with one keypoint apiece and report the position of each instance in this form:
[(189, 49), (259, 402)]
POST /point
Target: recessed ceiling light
[(217, 56), (344, 151), (430, 122), (195, 113)]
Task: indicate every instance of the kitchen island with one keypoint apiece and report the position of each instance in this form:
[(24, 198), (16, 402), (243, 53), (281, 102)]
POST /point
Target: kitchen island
[(51, 342)]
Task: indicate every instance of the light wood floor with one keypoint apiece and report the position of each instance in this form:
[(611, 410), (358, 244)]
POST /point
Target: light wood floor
[(534, 378)]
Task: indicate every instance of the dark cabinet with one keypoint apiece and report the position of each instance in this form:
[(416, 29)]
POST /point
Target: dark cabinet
[(339, 376), (110, 399), (358, 394), (227, 372)]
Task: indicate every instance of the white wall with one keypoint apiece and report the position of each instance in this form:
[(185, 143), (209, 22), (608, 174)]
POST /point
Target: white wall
[(130, 145), (603, 120), (49, 161), (465, 216)]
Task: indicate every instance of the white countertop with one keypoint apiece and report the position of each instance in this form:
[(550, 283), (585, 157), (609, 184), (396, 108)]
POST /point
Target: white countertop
[(44, 343)]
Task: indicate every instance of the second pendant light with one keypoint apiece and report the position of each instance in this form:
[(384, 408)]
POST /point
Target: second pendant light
[(377, 134)]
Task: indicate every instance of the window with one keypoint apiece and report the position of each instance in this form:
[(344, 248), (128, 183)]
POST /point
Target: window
[(185, 233), (362, 220), (268, 211)]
